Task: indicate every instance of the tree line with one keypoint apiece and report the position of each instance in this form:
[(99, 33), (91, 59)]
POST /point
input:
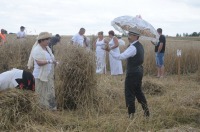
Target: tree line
[(194, 34)]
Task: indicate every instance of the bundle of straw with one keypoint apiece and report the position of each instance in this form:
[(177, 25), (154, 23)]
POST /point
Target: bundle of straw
[(77, 79), (153, 88), (19, 108), (14, 104)]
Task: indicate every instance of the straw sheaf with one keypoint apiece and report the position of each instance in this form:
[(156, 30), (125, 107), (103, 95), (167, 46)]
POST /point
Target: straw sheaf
[(14, 105), (21, 107), (153, 88), (76, 72)]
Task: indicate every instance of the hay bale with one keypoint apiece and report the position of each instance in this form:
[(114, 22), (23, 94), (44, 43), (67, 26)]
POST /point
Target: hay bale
[(77, 77), (153, 88), (20, 107)]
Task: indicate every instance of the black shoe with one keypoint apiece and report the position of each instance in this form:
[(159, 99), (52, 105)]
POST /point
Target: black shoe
[(146, 113)]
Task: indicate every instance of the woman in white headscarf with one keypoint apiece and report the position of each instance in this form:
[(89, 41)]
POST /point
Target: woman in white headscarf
[(43, 61)]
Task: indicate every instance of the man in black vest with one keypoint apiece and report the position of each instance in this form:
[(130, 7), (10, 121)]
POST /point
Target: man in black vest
[(134, 74)]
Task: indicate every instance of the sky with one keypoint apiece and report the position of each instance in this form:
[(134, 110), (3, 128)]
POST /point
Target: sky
[(66, 17)]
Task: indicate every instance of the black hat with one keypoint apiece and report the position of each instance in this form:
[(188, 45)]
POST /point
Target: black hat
[(22, 27)]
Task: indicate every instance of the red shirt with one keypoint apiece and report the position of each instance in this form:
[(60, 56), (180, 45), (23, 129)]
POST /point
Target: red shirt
[(3, 37)]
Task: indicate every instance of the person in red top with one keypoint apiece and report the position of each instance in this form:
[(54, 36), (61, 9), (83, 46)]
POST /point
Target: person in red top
[(2, 37)]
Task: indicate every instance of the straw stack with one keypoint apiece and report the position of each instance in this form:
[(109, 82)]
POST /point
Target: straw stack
[(75, 77), (153, 88), (19, 108)]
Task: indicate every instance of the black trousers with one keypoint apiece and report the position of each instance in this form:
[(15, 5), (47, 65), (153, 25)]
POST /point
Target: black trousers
[(133, 90)]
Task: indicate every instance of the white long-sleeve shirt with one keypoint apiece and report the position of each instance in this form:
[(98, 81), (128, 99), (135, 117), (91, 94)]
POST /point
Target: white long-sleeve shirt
[(129, 52), (7, 79)]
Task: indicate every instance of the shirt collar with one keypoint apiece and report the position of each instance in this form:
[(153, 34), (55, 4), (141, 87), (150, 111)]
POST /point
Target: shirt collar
[(134, 42)]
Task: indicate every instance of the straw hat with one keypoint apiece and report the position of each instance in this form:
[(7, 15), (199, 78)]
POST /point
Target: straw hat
[(44, 35), (134, 31)]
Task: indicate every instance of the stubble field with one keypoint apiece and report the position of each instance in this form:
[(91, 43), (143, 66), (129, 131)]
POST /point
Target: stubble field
[(174, 105)]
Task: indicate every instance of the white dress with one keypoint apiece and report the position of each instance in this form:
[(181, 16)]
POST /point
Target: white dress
[(115, 65), (101, 57)]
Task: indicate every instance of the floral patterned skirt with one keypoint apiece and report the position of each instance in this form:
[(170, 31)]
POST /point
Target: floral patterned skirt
[(46, 92)]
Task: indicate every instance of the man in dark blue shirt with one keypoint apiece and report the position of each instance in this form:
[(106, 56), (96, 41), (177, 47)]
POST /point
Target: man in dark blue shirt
[(54, 40)]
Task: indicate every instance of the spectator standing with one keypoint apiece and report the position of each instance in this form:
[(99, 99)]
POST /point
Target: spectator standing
[(100, 54), (2, 37), (21, 33), (43, 61), (160, 51), (53, 41), (115, 64), (79, 39)]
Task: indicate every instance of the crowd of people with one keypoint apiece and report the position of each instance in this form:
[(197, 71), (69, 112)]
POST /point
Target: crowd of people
[(42, 61)]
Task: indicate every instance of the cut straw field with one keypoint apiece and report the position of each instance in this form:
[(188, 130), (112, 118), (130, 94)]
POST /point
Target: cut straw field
[(95, 103)]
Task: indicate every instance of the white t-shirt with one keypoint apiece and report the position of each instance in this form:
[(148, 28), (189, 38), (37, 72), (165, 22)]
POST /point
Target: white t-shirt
[(36, 70), (21, 34), (78, 39), (7, 79)]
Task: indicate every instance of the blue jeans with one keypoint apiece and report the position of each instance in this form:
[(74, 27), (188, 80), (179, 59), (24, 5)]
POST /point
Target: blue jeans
[(159, 59)]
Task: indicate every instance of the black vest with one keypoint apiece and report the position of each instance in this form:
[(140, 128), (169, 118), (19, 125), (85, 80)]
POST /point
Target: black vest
[(134, 64)]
